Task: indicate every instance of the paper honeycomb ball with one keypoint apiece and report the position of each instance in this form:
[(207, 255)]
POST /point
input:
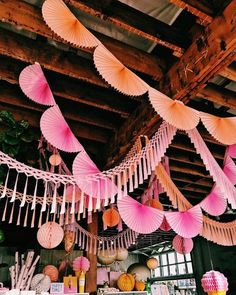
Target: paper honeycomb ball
[(40, 283), (52, 272), (214, 282), (111, 217), (106, 257), (182, 245), (152, 263), (122, 254), (126, 282), (50, 235)]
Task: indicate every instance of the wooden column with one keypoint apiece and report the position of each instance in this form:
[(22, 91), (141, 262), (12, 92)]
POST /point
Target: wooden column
[(91, 275)]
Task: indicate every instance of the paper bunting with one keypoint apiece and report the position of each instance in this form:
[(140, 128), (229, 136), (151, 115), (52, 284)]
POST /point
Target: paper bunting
[(140, 218), (62, 21), (116, 74), (35, 86), (182, 245), (215, 204), (222, 129), (57, 132), (230, 169), (187, 224), (83, 167), (173, 111)]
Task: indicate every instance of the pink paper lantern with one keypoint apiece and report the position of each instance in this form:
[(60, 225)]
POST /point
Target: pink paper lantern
[(69, 193), (213, 281), (182, 245), (81, 263), (165, 225), (50, 235)]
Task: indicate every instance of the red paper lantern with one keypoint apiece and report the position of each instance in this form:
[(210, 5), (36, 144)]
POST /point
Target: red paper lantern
[(111, 217)]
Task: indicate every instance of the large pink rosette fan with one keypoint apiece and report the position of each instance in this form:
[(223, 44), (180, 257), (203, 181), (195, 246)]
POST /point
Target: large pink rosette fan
[(222, 129), (140, 218), (187, 224), (173, 111), (62, 21), (57, 132), (182, 245), (35, 86), (230, 169), (215, 204), (83, 167), (116, 74)]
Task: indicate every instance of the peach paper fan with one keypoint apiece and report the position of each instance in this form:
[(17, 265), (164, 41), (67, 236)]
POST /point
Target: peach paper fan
[(140, 218), (222, 129), (187, 224), (35, 86), (116, 74), (173, 111), (64, 23), (57, 132)]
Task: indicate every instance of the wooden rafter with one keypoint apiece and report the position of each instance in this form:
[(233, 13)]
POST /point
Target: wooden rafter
[(28, 17), (212, 51), (134, 21), (229, 72)]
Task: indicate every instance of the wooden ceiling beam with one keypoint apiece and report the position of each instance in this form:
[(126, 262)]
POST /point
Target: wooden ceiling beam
[(201, 11), (12, 95), (212, 51), (29, 17), (188, 170), (194, 189), (219, 95), (229, 72), (135, 21), (73, 90), (79, 129), (202, 182)]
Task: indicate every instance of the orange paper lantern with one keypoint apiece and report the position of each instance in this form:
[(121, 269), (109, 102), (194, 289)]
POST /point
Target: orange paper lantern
[(126, 282), (111, 217), (55, 160), (154, 204), (152, 263), (139, 286), (52, 272)]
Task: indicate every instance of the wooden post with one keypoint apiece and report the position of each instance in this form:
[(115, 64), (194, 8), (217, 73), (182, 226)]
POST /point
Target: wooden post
[(91, 275)]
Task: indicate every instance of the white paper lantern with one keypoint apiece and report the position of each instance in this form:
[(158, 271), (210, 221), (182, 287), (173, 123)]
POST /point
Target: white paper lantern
[(40, 283), (50, 235)]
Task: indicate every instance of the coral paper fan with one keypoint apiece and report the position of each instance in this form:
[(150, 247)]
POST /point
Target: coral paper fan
[(187, 224), (83, 167), (57, 132), (222, 129), (230, 169), (173, 111), (215, 204), (116, 74), (182, 245), (140, 218), (35, 86), (63, 22), (81, 263)]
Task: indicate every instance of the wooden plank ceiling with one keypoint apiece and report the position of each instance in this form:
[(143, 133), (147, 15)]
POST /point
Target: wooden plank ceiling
[(192, 60)]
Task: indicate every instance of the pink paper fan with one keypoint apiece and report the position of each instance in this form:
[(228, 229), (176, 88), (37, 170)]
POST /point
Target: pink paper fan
[(83, 167), (62, 21), (140, 218), (173, 111), (116, 74), (81, 263), (35, 86), (57, 132), (215, 204), (231, 151), (230, 169), (222, 129), (165, 225), (187, 224), (182, 245)]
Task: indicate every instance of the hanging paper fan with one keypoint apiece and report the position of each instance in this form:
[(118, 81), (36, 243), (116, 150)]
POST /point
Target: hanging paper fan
[(116, 74), (35, 86), (57, 132), (83, 167), (222, 129), (182, 245), (230, 169), (173, 111), (187, 224), (140, 218), (62, 21), (215, 204), (231, 151), (165, 225)]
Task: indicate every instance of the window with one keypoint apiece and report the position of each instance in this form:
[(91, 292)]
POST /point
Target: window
[(173, 264)]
